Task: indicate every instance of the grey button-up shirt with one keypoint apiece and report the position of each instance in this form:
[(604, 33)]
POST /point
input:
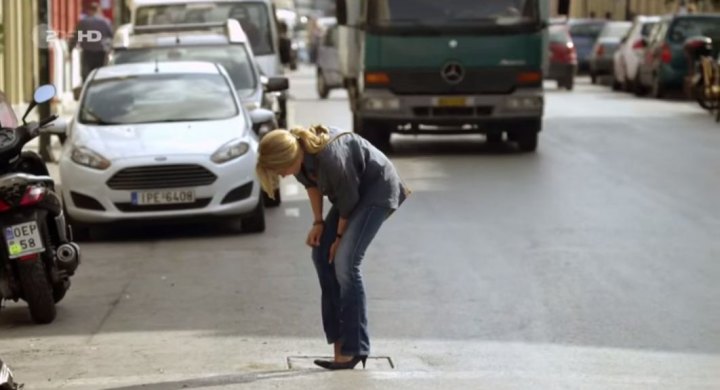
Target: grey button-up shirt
[(352, 173)]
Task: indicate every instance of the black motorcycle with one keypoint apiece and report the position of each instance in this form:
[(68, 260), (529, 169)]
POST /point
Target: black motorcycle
[(37, 255)]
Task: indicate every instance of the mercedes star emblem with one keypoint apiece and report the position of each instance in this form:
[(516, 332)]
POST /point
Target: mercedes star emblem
[(453, 72), (453, 43)]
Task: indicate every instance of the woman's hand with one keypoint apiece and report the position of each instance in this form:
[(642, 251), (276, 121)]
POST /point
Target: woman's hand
[(313, 238), (333, 249)]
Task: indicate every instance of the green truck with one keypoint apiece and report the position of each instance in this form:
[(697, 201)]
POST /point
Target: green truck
[(444, 67)]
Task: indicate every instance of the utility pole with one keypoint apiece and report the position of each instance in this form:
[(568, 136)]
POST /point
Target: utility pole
[(628, 11), (45, 142)]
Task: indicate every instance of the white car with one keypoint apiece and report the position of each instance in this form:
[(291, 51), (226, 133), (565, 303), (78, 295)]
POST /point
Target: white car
[(161, 140), (627, 59)]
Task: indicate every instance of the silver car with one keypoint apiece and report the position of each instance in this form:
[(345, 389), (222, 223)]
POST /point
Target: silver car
[(223, 43), (601, 58)]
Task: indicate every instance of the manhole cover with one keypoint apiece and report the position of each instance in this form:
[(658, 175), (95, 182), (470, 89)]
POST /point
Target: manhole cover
[(306, 362)]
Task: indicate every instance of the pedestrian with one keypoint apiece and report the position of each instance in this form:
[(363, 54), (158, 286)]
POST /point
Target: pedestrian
[(364, 189), (93, 35)]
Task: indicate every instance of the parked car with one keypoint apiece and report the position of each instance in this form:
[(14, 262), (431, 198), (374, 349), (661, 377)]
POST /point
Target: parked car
[(601, 58), (665, 65), (161, 140), (221, 42), (584, 33), (563, 57), (627, 58), (328, 75)]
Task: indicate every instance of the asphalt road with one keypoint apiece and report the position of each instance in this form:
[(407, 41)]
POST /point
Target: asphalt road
[(590, 264)]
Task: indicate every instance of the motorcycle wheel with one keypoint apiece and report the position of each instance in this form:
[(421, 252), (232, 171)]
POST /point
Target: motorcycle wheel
[(37, 292), (60, 290)]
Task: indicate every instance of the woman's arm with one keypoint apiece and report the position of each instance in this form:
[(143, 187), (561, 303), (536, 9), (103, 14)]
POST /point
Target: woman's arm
[(316, 202)]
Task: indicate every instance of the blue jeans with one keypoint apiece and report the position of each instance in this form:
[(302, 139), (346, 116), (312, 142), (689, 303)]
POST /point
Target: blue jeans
[(344, 311)]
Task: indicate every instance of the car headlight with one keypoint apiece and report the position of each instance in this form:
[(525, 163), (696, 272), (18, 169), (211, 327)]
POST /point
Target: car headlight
[(89, 158), (229, 151)]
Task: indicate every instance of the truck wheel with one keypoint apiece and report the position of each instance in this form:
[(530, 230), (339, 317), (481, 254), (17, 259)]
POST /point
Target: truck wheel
[(527, 142), (376, 132), (255, 222), (37, 292), (494, 138)]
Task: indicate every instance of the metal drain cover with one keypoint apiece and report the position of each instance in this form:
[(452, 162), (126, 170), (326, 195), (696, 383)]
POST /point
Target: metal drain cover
[(306, 362)]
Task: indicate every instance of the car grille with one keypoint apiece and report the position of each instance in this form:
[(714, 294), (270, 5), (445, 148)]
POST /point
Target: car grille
[(131, 208), (161, 176)]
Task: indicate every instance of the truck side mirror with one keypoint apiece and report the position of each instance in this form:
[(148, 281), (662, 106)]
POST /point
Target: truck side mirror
[(341, 12)]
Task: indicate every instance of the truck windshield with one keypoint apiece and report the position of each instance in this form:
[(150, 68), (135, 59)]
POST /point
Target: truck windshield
[(452, 12), (254, 18)]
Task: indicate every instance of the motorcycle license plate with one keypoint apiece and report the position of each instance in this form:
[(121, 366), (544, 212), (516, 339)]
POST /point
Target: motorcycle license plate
[(23, 239)]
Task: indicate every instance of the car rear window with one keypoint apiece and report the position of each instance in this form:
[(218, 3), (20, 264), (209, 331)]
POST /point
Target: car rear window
[(559, 34), (647, 29), (685, 28), (591, 30), (616, 30)]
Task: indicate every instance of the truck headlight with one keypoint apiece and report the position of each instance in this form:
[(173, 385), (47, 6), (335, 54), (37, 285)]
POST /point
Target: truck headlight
[(524, 103), (382, 104), (89, 158), (229, 151)]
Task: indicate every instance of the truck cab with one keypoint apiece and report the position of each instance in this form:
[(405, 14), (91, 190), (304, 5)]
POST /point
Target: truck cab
[(457, 66)]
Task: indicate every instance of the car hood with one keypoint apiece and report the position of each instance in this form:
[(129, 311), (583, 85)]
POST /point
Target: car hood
[(152, 139)]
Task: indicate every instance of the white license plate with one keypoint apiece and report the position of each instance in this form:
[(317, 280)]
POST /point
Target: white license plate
[(23, 239), (146, 198)]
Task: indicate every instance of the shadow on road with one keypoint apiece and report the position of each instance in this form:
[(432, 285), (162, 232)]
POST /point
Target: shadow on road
[(222, 380)]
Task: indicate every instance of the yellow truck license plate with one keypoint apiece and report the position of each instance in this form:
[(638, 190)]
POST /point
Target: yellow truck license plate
[(452, 102)]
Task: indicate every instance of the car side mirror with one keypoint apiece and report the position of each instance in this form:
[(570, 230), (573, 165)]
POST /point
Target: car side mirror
[(58, 126), (263, 121), (276, 84)]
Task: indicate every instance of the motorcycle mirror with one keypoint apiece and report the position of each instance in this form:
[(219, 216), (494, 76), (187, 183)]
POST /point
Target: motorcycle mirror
[(44, 93)]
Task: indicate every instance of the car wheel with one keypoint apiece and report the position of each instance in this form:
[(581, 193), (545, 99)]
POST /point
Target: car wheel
[(570, 83), (321, 86), (658, 91), (272, 202), (593, 78), (639, 88), (255, 221)]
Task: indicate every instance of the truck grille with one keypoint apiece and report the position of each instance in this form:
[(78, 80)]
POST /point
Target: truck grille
[(477, 81), (161, 176)]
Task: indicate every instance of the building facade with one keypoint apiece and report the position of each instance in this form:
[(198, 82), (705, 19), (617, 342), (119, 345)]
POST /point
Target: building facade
[(626, 9)]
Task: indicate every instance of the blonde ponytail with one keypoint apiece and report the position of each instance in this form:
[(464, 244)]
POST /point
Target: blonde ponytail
[(314, 139)]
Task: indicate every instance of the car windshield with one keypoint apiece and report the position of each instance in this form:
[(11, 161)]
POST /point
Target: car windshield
[(254, 18), (685, 28), (587, 30), (235, 58), (451, 12), (616, 30), (559, 34), (158, 98)]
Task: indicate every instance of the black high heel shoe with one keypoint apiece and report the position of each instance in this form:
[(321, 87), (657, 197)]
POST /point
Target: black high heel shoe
[(348, 365)]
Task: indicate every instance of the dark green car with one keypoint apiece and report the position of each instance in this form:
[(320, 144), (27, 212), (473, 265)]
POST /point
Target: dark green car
[(665, 65)]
